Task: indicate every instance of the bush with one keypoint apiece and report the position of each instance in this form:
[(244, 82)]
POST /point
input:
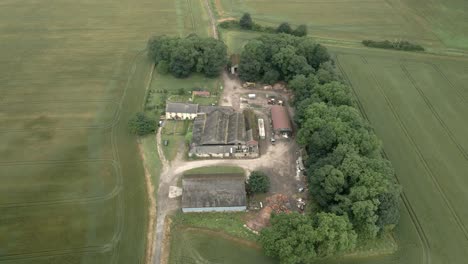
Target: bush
[(258, 183), (300, 31), (141, 125), (284, 28), (229, 24), (396, 45), (246, 21), (163, 67)]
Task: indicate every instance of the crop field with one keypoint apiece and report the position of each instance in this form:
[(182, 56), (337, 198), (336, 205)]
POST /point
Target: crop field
[(72, 186), (418, 106), (435, 24)]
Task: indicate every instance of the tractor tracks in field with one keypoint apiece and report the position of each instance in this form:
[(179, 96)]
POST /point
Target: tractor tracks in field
[(418, 152), (114, 192), (434, 111), (114, 242), (420, 155), (414, 218), (459, 93)]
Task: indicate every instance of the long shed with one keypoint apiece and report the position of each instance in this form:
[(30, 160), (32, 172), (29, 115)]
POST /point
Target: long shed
[(281, 121), (214, 193)]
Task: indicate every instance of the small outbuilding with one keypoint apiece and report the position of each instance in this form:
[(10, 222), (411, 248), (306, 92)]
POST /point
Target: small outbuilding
[(214, 193), (281, 122), (235, 60), (201, 93), (181, 111)]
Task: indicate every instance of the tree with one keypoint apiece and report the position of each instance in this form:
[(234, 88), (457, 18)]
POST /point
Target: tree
[(141, 125), (296, 238), (325, 127), (290, 64), (253, 59), (363, 188), (300, 31), (334, 234), (183, 56), (183, 59), (334, 93), (284, 28), (213, 56), (319, 55), (246, 21), (258, 182)]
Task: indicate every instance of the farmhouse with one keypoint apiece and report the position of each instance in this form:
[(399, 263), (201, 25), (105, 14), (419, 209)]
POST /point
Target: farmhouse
[(181, 111), (213, 193), (235, 60), (220, 132), (281, 122)]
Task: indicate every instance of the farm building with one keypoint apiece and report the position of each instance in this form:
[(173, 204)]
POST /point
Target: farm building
[(261, 128), (281, 122), (201, 93), (181, 111), (220, 132), (235, 60), (213, 193)]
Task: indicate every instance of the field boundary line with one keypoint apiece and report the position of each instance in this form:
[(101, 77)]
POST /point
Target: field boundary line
[(434, 111), (418, 151), (415, 220)]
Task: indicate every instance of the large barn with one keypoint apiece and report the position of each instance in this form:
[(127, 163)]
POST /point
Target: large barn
[(220, 132), (214, 193), (281, 122)]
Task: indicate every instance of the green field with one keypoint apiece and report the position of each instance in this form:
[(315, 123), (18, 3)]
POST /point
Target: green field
[(416, 102), (434, 23), (194, 245), (72, 185), (417, 105)]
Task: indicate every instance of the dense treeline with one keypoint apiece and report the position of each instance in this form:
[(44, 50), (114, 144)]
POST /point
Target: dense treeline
[(272, 58), (246, 22), (183, 56), (353, 185), (396, 45)]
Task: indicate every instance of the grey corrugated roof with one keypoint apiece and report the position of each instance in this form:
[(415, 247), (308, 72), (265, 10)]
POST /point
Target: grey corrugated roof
[(213, 190), (219, 127), (181, 108)]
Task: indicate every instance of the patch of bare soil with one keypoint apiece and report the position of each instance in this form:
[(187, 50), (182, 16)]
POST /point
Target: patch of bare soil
[(261, 220), (219, 7), (166, 242), (151, 209), (226, 19)]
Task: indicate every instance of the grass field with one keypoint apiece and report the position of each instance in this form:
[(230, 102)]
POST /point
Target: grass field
[(72, 185), (435, 24), (418, 105)]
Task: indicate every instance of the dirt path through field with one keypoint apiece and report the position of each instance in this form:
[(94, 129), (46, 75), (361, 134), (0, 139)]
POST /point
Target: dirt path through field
[(151, 209), (212, 19)]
